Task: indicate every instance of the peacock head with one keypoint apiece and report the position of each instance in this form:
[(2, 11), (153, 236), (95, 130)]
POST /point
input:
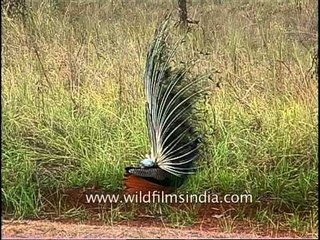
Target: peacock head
[(147, 163)]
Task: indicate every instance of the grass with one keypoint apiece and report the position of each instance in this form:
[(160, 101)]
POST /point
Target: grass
[(73, 101)]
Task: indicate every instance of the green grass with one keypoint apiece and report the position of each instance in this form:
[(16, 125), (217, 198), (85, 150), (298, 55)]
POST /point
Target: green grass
[(73, 100)]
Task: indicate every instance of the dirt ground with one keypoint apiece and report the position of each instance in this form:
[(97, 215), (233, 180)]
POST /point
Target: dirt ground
[(49, 229), (210, 223)]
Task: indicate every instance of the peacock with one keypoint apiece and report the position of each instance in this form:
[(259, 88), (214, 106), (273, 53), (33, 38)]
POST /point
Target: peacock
[(171, 96)]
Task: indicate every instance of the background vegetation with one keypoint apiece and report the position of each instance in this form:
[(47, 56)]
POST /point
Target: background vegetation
[(73, 100)]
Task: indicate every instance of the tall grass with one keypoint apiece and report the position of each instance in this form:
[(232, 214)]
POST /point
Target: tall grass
[(73, 100)]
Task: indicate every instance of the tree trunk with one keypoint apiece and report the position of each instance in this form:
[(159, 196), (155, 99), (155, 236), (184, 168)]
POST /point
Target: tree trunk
[(183, 12)]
